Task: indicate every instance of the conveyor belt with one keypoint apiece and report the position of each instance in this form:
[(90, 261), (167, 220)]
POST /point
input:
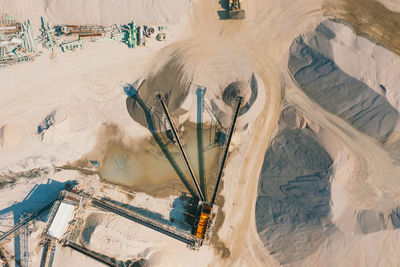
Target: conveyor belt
[(228, 142), (49, 250), (13, 231), (51, 255), (97, 256), (45, 252), (153, 224), (178, 141)]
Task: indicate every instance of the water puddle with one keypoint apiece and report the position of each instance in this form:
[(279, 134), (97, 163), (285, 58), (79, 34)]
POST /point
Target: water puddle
[(149, 170)]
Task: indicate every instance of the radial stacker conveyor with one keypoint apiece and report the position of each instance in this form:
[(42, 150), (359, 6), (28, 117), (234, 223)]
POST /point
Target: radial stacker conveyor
[(204, 208)]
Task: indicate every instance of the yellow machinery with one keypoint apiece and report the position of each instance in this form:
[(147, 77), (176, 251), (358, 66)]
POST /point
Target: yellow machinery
[(203, 220), (235, 10)]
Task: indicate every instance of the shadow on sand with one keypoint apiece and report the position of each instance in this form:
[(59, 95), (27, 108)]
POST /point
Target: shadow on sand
[(133, 101), (180, 216), (223, 14), (38, 197)]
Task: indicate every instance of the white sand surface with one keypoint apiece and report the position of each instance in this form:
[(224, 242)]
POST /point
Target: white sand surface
[(86, 88)]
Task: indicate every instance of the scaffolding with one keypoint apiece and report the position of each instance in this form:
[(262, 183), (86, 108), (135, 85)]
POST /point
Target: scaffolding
[(27, 34), (117, 33), (24, 246), (72, 46), (217, 133), (6, 20), (2, 52), (47, 35), (75, 227), (17, 43), (132, 31)]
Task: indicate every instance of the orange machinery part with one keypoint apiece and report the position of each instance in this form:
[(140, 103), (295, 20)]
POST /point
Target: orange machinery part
[(4, 30), (83, 35), (203, 221)]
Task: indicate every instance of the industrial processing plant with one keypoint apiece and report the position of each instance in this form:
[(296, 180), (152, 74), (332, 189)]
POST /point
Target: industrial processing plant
[(199, 133)]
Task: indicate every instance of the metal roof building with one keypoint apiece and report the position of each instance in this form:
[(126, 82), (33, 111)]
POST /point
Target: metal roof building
[(60, 222)]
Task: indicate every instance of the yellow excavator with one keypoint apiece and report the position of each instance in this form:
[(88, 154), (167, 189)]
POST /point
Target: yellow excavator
[(235, 10)]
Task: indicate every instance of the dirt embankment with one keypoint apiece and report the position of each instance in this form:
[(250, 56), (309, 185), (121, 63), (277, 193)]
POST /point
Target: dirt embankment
[(368, 17)]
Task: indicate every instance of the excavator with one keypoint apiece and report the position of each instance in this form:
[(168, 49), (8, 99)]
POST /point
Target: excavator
[(235, 10)]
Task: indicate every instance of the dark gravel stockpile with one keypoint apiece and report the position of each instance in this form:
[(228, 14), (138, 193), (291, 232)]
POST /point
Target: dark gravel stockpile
[(293, 203), (321, 79), (294, 191)]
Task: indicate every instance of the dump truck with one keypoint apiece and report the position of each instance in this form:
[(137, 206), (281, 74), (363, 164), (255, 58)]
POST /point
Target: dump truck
[(203, 220), (235, 10)]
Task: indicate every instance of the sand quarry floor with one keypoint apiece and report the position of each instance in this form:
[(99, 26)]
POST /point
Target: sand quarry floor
[(87, 89)]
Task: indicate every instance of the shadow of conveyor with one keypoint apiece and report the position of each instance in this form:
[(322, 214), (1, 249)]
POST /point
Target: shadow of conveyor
[(133, 98), (200, 146), (39, 196), (181, 215)]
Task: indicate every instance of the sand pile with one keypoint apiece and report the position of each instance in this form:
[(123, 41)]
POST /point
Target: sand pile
[(10, 136), (312, 66), (293, 203), (345, 75), (248, 90), (100, 12), (54, 126), (234, 90), (177, 83)]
